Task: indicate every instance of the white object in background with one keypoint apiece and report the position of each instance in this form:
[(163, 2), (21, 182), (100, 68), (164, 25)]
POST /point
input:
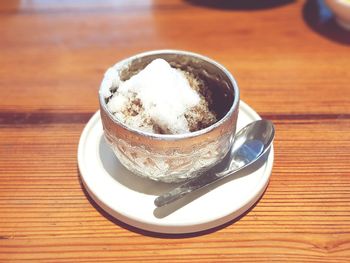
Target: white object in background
[(341, 10)]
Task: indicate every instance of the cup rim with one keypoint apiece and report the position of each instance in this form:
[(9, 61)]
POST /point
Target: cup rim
[(173, 137)]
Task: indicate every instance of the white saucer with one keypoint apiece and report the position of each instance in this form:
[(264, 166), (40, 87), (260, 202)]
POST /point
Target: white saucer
[(130, 198)]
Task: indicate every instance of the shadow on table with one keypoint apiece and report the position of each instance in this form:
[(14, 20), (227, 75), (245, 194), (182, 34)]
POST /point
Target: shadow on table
[(154, 234), (321, 20), (239, 5)]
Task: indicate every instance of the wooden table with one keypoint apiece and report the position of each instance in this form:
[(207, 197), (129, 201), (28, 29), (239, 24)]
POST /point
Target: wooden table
[(292, 67)]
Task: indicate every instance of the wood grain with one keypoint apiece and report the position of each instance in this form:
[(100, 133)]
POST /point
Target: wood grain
[(53, 55)]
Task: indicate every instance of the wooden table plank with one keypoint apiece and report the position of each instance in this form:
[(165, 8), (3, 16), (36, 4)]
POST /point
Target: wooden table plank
[(53, 55)]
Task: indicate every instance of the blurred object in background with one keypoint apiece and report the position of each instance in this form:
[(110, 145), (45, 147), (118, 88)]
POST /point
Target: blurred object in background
[(321, 19), (240, 5), (341, 10)]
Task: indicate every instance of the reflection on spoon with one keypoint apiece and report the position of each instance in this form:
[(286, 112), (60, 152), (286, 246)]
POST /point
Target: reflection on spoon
[(250, 144)]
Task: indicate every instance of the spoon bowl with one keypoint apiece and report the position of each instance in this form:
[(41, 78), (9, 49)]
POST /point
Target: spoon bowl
[(251, 141)]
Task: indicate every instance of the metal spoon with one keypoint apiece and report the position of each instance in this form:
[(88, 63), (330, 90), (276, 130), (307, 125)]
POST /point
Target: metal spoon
[(251, 143)]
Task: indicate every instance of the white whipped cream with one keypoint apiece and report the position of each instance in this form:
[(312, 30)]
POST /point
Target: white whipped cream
[(158, 95)]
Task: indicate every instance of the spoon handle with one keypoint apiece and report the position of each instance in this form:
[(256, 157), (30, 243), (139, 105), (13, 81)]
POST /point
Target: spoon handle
[(188, 187)]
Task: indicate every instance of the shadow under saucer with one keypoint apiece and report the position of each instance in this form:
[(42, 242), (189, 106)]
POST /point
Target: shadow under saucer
[(148, 233)]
